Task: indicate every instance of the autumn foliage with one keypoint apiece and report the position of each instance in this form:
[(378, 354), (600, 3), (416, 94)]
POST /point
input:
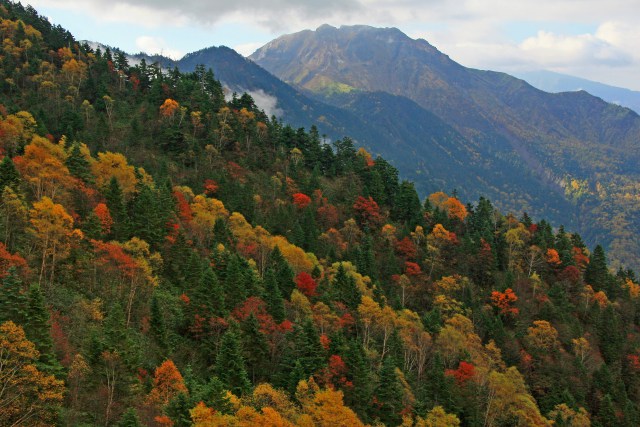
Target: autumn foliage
[(464, 373), (367, 211), (301, 200), (504, 301), (306, 284)]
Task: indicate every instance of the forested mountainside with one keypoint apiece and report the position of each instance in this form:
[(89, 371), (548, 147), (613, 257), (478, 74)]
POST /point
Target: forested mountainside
[(569, 157), (169, 258)]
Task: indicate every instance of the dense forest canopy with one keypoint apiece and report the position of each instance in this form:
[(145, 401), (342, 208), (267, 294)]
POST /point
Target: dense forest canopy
[(170, 258)]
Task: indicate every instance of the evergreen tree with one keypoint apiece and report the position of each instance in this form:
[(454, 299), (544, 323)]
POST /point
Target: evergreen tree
[(235, 282), (359, 396), (38, 330), (115, 203), (78, 165), (146, 219), (273, 296), (13, 300), (216, 397), (282, 271), (230, 365), (344, 288), (611, 333), (436, 388), (92, 227), (157, 326), (365, 258), (130, 419), (178, 410), (388, 394), (255, 349), (406, 207), (9, 176), (597, 272), (210, 294), (310, 350)]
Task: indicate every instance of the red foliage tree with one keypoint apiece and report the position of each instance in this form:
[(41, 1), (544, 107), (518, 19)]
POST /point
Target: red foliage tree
[(464, 373), (102, 212), (571, 274), (337, 371), (8, 260), (301, 200), (367, 211), (257, 307), (328, 215), (306, 284), (184, 209), (412, 269), (406, 248), (210, 187)]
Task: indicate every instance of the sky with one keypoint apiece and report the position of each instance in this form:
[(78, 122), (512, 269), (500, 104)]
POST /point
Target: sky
[(593, 39)]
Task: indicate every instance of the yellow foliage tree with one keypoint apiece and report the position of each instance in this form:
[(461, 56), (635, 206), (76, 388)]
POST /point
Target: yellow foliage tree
[(52, 229), (43, 167), (509, 400), (110, 165), (27, 396), (205, 213), (438, 417)]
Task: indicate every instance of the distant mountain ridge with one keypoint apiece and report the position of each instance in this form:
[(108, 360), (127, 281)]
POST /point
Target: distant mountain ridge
[(550, 81)]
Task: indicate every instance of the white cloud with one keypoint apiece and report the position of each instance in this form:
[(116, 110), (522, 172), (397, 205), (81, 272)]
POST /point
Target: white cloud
[(266, 102), (247, 49), (156, 46), (554, 50), (608, 54)]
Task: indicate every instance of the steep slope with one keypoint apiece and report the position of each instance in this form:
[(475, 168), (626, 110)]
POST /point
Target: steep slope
[(569, 145)]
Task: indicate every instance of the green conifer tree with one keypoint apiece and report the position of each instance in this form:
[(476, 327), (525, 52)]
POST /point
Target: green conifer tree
[(235, 282), (273, 296), (78, 165), (344, 288), (9, 176), (130, 419), (178, 410), (38, 330), (230, 365), (255, 349), (388, 394), (117, 209), (157, 326), (359, 396), (13, 299)]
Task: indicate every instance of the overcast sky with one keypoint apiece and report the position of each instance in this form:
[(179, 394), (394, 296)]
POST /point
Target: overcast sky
[(593, 39)]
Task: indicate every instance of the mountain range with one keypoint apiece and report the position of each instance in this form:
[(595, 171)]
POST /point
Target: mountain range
[(570, 157)]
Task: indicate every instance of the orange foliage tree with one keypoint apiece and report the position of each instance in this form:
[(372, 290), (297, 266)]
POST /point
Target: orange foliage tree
[(504, 301), (167, 383)]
